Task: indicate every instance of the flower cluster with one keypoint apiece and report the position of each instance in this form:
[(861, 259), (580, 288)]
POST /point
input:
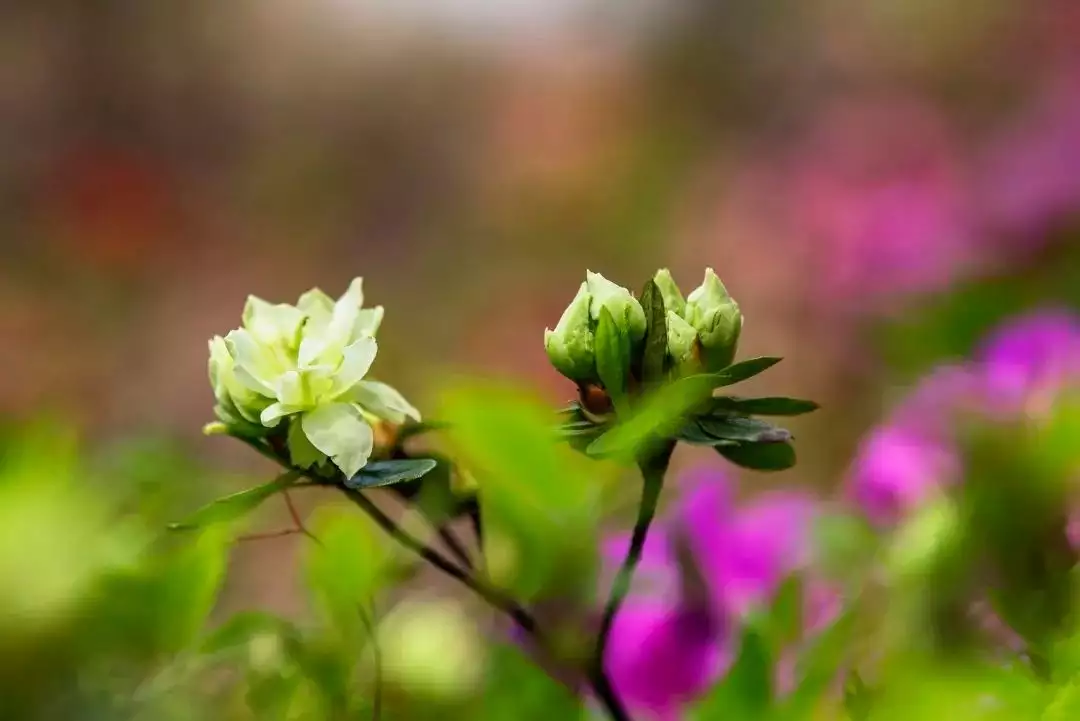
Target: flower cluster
[(303, 369), (702, 329)]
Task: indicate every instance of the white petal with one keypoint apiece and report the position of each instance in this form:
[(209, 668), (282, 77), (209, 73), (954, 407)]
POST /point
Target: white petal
[(368, 321), (339, 431), (356, 360), (272, 323), (315, 302), (274, 412), (355, 293), (384, 401), (290, 389), (254, 364)]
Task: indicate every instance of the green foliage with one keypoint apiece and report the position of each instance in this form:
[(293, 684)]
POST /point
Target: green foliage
[(235, 506), (745, 693), (654, 357), (613, 358), (387, 473)]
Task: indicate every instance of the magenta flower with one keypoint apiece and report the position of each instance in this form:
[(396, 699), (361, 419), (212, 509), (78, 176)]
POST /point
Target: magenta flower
[(1021, 366), (703, 568)]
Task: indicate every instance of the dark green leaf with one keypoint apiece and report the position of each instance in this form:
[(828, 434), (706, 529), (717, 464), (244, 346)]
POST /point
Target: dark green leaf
[(612, 357), (655, 356), (746, 691), (760, 456), (232, 507), (692, 433), (738, 372), (386, 473), (726, 426), (771, 406)]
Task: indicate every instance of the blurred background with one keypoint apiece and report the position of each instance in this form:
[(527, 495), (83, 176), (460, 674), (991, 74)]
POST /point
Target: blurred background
[(876, 182)]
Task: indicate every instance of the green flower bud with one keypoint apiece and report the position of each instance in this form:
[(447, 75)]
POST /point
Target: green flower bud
[(623, 306), (682, 342), (571, 346), (716, 317), (669, 291)]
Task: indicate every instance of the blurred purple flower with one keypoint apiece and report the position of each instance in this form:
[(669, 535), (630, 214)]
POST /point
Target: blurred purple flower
[(1030, 359), (879, 192), (1021, 366), (721, 561), (1031, 183)]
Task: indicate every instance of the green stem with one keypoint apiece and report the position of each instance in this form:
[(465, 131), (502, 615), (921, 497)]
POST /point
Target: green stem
[(652, 473)]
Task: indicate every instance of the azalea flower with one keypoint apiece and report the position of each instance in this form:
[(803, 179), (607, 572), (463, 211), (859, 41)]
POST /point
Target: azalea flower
[(307, 365), (701, 572)]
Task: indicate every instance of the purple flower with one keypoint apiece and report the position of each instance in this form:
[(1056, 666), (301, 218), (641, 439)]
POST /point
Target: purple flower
[(1020, 366), (702, 569), (1030, 358)]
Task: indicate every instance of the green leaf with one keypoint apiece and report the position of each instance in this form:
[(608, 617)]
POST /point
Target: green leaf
[(769, 406), (786, 616), (242, 628), (760, 456), (185, 588), (412, 428), (659, 417), (655, 355), (230, 508), (738, 372), (612, 358), (725, 426), (539, 499), (819, 666), (386, 473), (1066, 703), (517, 689), (746, 691), (349, 566), (692, 433), (858, 701)]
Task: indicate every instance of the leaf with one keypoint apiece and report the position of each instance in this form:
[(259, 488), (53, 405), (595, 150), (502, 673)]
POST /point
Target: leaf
[(660, 416), (230, 508), (612, 358), (769, 406), (738, 372), (858, 701), (692, 433), (786, 617), (1066, 703), (377, 474), (349, 566), (760, 456), (746, 691), (539, 499), (184, 589), (725, 426), (412, 429), (655, 354), (242, 628), (518, 689), (819, 666)]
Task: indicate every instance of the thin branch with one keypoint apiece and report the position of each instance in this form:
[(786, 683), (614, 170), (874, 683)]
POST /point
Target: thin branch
[(269, 534), (455, 545)]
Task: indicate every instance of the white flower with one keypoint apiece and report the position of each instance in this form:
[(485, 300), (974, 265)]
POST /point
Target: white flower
[(308, 363)]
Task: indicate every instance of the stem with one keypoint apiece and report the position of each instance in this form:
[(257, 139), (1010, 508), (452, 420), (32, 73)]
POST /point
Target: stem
[(455, 545), (491, 596), (368, 621), (652, 473)]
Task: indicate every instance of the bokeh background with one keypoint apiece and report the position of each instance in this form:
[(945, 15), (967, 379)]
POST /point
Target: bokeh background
[(876, 182)]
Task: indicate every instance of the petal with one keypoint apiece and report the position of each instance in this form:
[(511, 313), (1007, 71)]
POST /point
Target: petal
[(255, 367), (354, 294), (274, 412), (339, 431), (384, 401), (272, 323), (290, 389), (315, 303), (368, 321), (301, 452), (356, 360), (660, 658)]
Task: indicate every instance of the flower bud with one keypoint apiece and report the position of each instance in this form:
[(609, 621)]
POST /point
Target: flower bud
[(682, 342), (623, 306), (716, 317), (669, 291), (570, 347)]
